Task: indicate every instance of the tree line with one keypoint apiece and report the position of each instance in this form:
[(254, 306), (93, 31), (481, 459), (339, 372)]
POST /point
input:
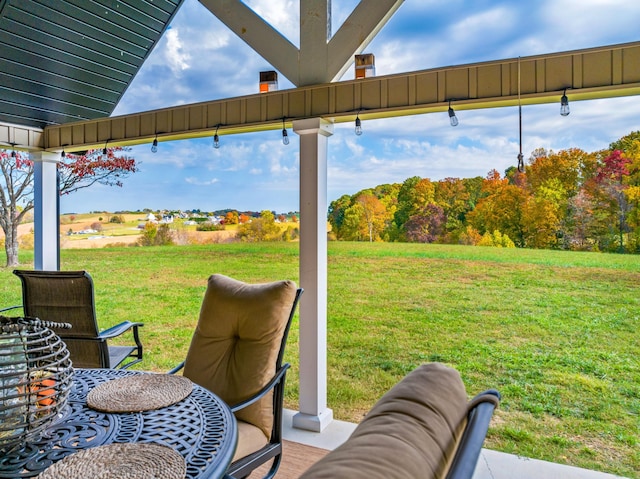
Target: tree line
[(569, 199)]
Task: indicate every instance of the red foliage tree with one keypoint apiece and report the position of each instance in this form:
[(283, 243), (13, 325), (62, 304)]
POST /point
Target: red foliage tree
[(82, 171), (74, 173), (427, 226), (611, 191)]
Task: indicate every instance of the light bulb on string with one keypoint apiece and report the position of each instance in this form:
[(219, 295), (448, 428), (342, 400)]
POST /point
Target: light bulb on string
[(105, 152), (453, 119), (358, 125), (216, 138), (564, 104), (285, 134)]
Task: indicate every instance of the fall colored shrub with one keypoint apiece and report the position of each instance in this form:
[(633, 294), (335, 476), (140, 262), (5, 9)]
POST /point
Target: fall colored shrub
[(26, 241)]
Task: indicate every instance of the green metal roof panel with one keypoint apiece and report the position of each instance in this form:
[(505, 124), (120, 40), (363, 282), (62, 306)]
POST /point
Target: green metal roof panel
[(70, 60)]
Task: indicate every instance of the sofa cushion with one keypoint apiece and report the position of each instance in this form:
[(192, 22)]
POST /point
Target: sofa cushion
[(412, 431), (235, 345)]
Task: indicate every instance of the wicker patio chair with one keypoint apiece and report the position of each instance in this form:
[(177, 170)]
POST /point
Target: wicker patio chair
[(68, 297), (237, 351)]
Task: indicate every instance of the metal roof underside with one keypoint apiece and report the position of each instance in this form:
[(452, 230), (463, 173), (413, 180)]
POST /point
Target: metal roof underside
[(71, 60)]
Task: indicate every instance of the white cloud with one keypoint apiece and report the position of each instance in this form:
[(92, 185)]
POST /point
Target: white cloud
[(177, 58), (281, 14), (581, 24), (354, 147), (201, 182)]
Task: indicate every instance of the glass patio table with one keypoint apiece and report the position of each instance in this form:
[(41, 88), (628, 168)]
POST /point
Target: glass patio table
[(200, 427)]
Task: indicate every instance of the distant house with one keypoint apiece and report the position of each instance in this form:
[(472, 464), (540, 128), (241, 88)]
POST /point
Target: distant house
[(167, 219), (151, 217)]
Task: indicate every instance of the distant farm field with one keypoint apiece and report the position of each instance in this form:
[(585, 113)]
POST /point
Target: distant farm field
[(77, 231), (555, 332)]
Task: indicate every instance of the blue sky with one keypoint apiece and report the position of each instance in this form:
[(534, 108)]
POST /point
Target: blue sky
[(199, 59)]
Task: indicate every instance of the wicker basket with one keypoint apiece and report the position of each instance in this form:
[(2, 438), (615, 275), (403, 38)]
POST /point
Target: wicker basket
[(35, 378)]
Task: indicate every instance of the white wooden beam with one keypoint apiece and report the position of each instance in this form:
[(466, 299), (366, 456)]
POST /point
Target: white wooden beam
[(356, 33), (315, 30), (258, 34), (320, 58)]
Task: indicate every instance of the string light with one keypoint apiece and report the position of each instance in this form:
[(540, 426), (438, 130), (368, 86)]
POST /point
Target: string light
[(154, 145), (453, 119), (564, 104), (358, 125), (216, 138), (285, 135)]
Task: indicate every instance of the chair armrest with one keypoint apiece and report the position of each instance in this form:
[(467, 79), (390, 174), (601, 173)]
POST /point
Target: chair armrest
[(470, 446), (10, 308), (176, 369), (268, 387), (118, 329)]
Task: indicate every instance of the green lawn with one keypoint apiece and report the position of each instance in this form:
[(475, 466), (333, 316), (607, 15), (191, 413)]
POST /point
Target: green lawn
[(555, 332)]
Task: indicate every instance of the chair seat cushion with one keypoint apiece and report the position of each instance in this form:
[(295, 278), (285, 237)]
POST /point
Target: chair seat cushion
[(250, 440), (412, 431), (236, 343)]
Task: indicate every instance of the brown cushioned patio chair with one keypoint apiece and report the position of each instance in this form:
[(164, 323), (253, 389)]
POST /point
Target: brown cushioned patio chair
[(67, 297), (424, 427), (237, 351)]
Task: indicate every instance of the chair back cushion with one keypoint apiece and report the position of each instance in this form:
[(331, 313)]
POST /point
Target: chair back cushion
[(412, 431), (236, 343)]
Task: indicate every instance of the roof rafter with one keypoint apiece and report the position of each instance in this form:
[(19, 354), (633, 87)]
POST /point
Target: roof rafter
[(320, 58)]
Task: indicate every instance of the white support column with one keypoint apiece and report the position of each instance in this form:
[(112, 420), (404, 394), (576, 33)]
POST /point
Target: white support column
[(314, 414), (45, 212)]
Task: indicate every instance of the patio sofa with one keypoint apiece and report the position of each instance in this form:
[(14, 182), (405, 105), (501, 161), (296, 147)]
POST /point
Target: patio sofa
[(424, 427)]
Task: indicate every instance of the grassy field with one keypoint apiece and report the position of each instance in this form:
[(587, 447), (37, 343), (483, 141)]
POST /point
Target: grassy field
[(555, 332)]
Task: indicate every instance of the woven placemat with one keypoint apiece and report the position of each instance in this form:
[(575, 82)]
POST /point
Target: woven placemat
[(140, 392), (120, 461)]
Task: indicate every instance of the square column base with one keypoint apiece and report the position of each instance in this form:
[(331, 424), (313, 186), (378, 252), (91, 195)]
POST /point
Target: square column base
[(309, 422)]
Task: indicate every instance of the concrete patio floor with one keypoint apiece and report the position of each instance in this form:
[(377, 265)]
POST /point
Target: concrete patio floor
[(491, 465)]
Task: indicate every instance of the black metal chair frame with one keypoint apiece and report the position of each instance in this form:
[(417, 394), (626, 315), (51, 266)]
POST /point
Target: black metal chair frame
[(470, 445), (110, 356)]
